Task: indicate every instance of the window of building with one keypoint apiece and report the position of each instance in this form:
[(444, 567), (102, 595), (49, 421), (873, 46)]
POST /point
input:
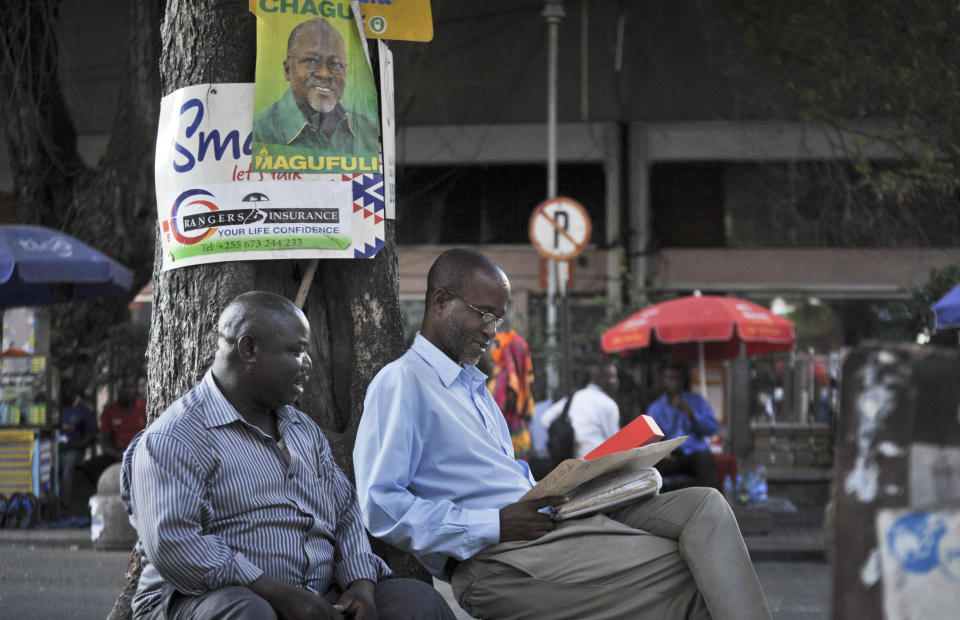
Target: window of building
[(791, 204), (686, 202), (488, 204)]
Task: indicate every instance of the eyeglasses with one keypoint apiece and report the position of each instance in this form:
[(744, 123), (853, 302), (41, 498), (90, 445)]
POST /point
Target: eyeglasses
[(313, 63), (486, 317)]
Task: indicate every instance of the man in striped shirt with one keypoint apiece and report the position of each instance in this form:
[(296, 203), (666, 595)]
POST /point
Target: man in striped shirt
[(241, 510)]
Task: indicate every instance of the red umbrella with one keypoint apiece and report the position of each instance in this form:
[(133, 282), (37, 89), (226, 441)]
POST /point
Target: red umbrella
[(702, 327)]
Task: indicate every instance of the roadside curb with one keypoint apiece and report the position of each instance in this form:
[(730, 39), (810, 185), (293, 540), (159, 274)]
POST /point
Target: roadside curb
[(73, 537), (792, 544)]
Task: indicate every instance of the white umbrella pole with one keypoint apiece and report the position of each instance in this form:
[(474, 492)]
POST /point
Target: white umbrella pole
[(701, 365)]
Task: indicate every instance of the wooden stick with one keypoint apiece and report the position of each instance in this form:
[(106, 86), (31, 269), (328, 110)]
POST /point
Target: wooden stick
[(306, 282)]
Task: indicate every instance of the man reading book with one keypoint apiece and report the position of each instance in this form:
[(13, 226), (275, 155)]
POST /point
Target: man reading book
[(436, 476)]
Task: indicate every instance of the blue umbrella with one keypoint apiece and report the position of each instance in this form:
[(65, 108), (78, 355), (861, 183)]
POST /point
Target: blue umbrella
[(40, 266), (947, 310)]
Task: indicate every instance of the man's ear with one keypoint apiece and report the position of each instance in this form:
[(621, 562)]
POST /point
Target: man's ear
[(438, 301), (286, 68), (247, 349)]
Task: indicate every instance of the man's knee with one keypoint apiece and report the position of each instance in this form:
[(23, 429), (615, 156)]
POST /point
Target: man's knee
[(409, 599), (232, 602), (708, 499), (710, 495), (713, 505), (250, 605)]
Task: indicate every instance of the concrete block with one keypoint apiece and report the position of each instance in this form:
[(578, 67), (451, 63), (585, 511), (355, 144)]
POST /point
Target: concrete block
[(762, 443), (753, 520), (782, 457), (110, 528), (803, 457)]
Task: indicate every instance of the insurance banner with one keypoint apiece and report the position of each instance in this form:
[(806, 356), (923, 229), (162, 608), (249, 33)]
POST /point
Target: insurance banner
[(315, 103), (212, 206)]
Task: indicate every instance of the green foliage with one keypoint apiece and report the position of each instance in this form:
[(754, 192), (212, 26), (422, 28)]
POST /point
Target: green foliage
[(895, 61), (121, 355), (817, 325)]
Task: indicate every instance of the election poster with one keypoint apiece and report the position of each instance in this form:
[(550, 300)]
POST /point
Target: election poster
[(212, 206), (315, 103)]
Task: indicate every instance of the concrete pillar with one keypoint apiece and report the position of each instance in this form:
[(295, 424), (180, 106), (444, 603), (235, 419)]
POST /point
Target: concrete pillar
[(896, 484), (738, 416), (639, 205), (110, 528)]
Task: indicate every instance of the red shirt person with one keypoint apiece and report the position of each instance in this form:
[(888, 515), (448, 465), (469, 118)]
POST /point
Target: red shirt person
[(120, 421)]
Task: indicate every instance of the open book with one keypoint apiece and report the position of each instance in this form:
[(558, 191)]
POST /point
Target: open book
[(603, 482)]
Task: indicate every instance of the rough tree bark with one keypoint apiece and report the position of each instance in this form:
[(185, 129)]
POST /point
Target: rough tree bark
[(110, 207), (353, 306)]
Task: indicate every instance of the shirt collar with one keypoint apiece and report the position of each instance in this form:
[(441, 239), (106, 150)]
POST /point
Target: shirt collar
[(447, 369), (219, 411), (292, 121)]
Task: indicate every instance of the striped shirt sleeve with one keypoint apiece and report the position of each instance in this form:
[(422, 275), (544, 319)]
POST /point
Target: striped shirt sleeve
[(170, 506)]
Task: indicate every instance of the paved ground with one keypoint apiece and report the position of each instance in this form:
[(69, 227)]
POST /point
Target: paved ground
[(56, 574)]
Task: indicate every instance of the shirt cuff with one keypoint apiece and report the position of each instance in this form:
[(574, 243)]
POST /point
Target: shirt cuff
[(243, 572), (362, 566), (484, 530)]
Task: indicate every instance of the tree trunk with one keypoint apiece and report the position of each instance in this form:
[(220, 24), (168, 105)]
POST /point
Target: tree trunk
[(353, 306)]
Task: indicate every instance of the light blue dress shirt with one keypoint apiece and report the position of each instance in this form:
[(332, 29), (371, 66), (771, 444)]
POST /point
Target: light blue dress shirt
[(433, 458)]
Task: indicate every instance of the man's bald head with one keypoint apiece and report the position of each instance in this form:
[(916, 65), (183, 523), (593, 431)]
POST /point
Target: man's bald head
[(262, 361), (456, 266), (467, 296), (253, 313)]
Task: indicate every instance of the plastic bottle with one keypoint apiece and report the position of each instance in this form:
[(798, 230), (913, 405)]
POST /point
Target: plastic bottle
[(751, 488), (728, 489), (761, 483), (742, 497)]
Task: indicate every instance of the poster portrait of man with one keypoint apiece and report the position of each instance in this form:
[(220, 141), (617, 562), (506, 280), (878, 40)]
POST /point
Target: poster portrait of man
[(325, 118)]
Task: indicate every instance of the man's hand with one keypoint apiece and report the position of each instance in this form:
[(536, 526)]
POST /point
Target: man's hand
[(357, 601), (523, 521), (292, 603), (677, 402)]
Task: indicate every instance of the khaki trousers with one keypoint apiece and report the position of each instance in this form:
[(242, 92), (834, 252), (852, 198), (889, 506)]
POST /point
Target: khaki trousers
[(676, 555)]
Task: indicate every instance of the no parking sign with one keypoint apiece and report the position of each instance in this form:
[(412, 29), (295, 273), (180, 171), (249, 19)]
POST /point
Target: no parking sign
[(560, 228)]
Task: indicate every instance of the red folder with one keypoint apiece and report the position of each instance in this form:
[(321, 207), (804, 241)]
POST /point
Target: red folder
[(640, 432)]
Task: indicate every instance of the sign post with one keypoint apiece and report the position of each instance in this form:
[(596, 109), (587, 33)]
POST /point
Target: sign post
[(559, 230)]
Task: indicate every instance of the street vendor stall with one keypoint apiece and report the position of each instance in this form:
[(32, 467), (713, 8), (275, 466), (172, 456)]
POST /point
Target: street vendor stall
[(38, 267), (28, 431)]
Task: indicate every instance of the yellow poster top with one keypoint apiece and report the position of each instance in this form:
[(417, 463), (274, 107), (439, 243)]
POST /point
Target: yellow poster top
[(400, 20)]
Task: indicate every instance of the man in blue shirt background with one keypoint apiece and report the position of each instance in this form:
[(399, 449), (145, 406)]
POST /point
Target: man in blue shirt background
[(79, 425), (436, 477), (681, 412)]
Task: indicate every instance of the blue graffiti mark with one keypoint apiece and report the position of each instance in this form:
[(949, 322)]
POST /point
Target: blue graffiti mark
[(207, 141), (913, 540)]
